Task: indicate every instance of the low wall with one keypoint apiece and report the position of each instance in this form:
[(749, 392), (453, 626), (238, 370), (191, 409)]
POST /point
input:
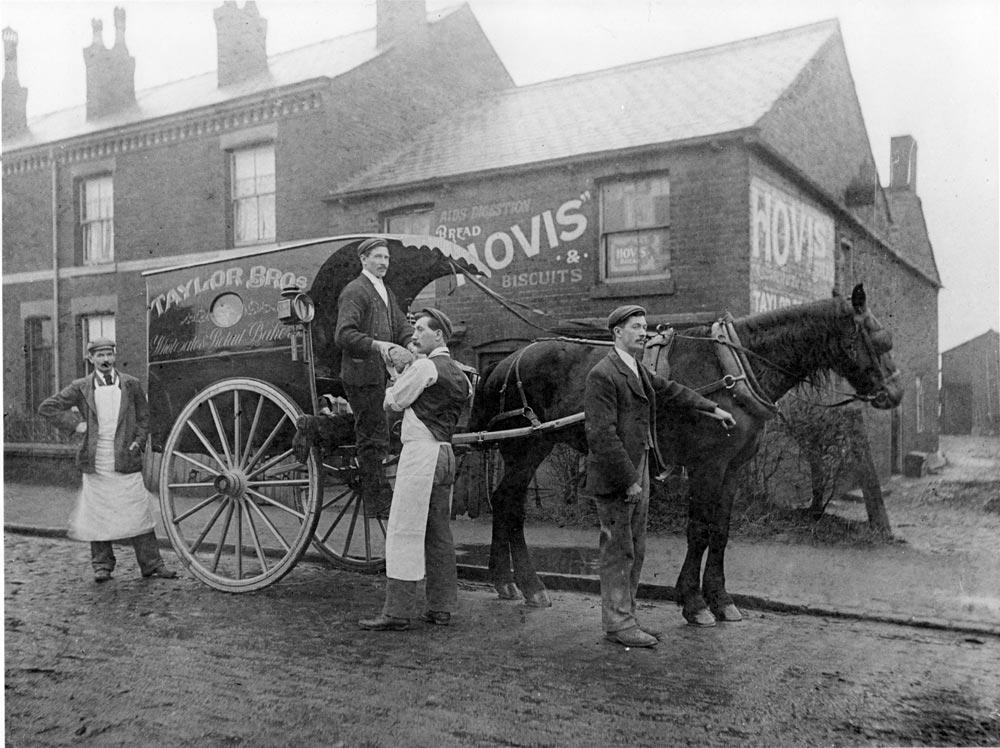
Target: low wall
[(48, 464)]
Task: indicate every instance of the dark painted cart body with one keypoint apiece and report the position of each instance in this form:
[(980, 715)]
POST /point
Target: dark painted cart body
[(228, 379)]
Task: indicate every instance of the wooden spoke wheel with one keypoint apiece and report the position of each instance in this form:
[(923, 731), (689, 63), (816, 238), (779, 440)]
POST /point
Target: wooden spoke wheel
[(344, 534), (238, 507)]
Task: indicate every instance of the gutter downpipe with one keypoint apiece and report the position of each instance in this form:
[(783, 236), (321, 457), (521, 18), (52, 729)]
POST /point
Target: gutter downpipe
[(55, 270)]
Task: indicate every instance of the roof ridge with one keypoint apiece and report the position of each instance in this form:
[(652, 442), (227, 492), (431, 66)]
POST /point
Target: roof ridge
[(833, 23)]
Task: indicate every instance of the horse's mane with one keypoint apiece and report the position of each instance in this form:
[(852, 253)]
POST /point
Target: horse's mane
[(783, 330)]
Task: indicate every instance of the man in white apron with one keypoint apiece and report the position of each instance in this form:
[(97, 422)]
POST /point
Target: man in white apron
[(112, 413), (431, 393)]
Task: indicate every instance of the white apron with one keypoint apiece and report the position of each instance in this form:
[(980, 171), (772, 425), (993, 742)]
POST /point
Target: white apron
[(110, 505), (411, 498)]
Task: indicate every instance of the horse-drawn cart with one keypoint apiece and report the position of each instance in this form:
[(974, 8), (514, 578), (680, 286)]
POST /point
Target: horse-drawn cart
[(239, 348)]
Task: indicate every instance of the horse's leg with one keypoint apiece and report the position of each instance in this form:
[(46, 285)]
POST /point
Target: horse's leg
[(714, 580), (703, 486), (500, 565), (520, 464), (500, 568)]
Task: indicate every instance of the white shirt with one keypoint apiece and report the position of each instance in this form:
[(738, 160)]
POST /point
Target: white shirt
[(630, 362), (379, 286), (418, 376)]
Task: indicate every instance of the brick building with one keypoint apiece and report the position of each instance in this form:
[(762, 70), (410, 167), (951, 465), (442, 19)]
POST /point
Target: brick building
[(738, 177), (238, 158), (970, 386)]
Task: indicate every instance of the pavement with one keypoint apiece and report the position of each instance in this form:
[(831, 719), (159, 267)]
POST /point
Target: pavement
[(892, 582)]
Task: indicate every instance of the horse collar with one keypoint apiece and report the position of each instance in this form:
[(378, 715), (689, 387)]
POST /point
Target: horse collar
[(738, 376)]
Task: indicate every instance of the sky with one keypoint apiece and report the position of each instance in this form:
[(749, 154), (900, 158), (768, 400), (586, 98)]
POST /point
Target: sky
[(926, 68)]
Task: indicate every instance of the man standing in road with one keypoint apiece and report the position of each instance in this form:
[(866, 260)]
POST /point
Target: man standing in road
[(112, 413), (431, 393), (620, 419), (371, 332)]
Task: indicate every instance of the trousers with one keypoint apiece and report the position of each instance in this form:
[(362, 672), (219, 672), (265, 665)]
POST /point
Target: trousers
[(372, 434), (441, 583), (622, 552), (147, 553)]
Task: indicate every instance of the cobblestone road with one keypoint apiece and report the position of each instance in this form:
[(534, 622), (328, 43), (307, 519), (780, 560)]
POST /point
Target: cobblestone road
[(137, 662)]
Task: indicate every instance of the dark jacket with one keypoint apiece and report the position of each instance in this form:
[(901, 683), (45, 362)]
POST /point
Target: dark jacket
[(361, 319), (133, 420), (619, 415)]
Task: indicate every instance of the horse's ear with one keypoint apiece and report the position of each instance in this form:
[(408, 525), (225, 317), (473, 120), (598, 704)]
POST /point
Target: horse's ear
[(858, 299)]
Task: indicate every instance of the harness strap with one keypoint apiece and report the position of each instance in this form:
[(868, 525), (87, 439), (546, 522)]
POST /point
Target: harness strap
[(736, 369), (525, 410)]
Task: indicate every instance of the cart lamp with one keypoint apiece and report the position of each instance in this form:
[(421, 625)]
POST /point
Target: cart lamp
[(295, 307)]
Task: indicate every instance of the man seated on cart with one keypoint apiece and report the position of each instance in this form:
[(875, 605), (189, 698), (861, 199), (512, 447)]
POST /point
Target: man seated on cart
[(371, 332)]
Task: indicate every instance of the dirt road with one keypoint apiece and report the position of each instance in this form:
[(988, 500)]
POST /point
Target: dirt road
[(135, 662)]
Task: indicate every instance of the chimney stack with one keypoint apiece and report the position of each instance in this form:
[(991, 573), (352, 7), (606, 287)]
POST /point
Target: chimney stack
[(110, 72), (398, 19), (14, 96), (903, 163), (242, 42)]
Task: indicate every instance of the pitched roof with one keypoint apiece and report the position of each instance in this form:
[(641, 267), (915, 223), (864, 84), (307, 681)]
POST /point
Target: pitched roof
[(909, 231), (695, 94), (326, 59)]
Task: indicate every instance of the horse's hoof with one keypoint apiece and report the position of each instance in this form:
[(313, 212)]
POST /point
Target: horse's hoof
[(507, 591), (728, 613), (703, 618), (538, 599)]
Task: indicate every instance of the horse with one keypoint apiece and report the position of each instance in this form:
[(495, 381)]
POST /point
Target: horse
[(779, 350)]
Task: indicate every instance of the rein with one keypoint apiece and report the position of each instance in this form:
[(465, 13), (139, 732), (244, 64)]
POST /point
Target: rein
[(730, 381)]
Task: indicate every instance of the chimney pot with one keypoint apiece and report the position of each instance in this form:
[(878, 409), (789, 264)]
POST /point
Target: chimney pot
[(903, 163), (110, 72), (241, 36), (14, 96)]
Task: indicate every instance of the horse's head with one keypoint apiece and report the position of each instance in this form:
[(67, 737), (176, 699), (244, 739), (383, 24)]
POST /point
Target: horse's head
[(866, 360)]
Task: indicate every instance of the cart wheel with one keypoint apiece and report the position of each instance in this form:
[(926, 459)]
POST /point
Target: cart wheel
[(238, 507), (344, 535)]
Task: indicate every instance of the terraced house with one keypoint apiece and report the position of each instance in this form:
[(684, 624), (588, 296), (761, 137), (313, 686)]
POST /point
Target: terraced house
[(738, 178)]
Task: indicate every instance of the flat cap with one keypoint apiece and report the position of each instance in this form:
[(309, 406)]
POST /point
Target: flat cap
[(98, 344), (622, 313), (369, 244), (441, 318)]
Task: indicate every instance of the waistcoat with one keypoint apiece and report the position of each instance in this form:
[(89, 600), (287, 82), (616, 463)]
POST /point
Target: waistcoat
[(440, 405)]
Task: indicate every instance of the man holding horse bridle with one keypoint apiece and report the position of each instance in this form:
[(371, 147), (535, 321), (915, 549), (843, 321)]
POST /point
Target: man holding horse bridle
[(620, 420)]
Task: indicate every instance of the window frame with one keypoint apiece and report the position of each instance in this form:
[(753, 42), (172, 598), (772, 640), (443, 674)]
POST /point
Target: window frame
[(428, 294), (636, 226), (32, 365), (88, 223), (256, 197)]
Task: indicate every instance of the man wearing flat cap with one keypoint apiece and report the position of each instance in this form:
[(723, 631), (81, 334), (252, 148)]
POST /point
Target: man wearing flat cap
[(371, 332), (112, 413), (431, 394), (620, 407)]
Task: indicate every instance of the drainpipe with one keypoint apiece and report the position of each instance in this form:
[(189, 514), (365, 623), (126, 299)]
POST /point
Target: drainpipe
[(55, 270)]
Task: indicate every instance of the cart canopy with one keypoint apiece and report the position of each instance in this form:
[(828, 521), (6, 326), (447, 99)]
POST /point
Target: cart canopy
[(228, 305)]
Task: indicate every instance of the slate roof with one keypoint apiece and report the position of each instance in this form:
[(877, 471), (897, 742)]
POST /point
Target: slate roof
[(695, 94), (909, 231), (326, 59)]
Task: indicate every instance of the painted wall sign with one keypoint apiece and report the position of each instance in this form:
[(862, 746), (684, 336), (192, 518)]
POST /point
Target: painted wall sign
[(792, 252), (512, 237)]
